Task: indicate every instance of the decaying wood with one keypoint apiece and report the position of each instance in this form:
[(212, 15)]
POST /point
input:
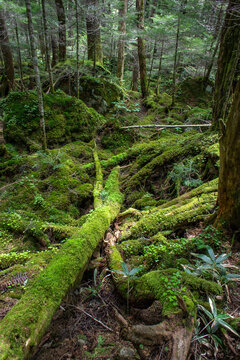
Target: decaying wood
[(164, 126)]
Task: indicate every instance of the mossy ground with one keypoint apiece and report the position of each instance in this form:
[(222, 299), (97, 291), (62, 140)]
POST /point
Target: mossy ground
[(169, 178)]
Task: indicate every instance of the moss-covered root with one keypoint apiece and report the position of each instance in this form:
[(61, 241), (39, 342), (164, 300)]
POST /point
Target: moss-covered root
[(99, 180), (24, 325)]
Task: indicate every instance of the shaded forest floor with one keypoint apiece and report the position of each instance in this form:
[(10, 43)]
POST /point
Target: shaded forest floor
[(169, 180)]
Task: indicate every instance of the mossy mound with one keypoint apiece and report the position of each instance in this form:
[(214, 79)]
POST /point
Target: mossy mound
[(194, 91), (96, 92), (66, 118)]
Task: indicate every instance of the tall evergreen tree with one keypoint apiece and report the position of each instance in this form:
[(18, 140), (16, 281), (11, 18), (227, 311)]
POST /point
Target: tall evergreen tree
[(7, 55), (37, 74), (93, 32), (141, 47), (61, 30)]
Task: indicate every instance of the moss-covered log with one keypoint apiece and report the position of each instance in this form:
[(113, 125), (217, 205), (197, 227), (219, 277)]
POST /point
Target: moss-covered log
[(189, 209), (24, 325)]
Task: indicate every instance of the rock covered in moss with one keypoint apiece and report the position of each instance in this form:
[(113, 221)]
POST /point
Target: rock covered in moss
[(66, 117)]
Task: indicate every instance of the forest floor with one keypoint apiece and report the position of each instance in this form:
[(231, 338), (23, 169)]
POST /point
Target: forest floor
[(169, 180)]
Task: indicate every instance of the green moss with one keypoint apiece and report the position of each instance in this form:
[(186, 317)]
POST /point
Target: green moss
[(7, 260), (174, 216), (66, 117), (34, 311)]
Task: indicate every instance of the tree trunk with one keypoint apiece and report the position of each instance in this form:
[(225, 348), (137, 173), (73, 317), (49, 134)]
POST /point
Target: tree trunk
[(25, 324), (61, 30), (135, 71), (122, 33), (77, 47), (93, 32), (228, 59), (37, 75), (210, 65), (19, 56), (229, 180), (159, 68), (6, 52), (45, 27), (141, 47), (54, 50), (175, 62), (152, 61)]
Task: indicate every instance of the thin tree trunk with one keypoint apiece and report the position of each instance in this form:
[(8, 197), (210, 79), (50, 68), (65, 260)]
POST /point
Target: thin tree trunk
[(210, 65), (45, 27), (54, 50), (159, 68), (6, 52), (175, 62), (93, 32), (37, 75), (121, 44), (135, 72), (141, 47), (19, 56), (150, 72), (61, 30), (77, 47)]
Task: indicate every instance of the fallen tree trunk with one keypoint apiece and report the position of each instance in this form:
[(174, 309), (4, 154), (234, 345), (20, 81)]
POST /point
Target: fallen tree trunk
[(23, 327), (164, 126)]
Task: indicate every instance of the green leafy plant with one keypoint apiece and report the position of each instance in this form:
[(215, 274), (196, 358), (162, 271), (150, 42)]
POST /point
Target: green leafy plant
[(212, 323), (184, 174), (172, 288), (213, 265), (129, 274)]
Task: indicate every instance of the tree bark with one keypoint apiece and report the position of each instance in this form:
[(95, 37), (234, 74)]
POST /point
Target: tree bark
[(121, 43), (93, 32), (19, 55), (6, 52), (141, 47), (25, 324), (61, 30), (77, 47), (37, 75), (229, 180), (175, 62), (135, 71), (45, 28), (228, 59), (54, 50), (159, 68)]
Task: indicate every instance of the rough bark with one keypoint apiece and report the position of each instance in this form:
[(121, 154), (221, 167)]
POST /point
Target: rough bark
[(6, 52), (46, 37), (175, 61), (77, 47), (19, 55), (159, 68), (61, 29), (229, 180), (228, 59), (135, 71), (54, 44), (121, 43), (24, 325), (141, 48), (37, 74), (93, 32)]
